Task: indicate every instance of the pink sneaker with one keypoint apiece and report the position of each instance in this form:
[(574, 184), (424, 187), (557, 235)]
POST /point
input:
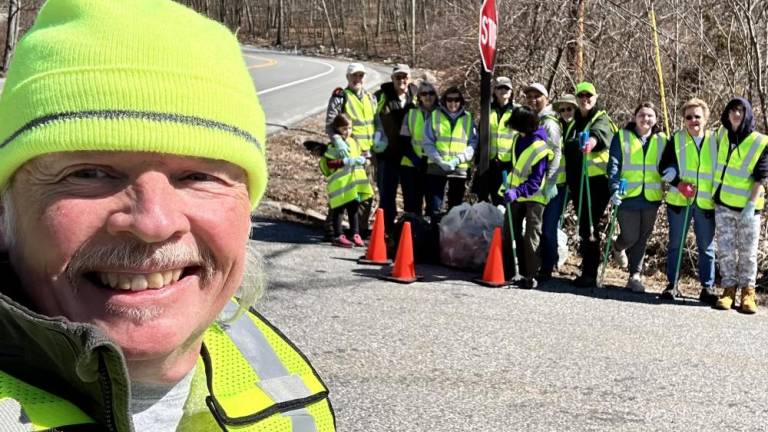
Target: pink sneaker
[(358, 241), (342, 241)]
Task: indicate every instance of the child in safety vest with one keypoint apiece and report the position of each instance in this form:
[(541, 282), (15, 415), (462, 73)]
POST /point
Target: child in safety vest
[(343, 166), (523, 193)]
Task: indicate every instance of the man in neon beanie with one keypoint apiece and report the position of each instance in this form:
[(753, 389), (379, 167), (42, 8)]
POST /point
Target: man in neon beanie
[(131, 155)]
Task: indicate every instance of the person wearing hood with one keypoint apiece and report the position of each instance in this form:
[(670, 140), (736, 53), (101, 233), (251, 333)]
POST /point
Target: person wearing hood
[(450, 140), (687, 164), (501, 139), (537, 98), (524, 190), (595, 123), (739, 187), (413, 166), (394, 99), (633, 157)]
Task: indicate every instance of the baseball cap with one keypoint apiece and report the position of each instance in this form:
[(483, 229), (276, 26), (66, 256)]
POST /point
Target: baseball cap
[(401, 69), (566, 99), (537, 87), (503, 82), (355, 68), (585, 87)]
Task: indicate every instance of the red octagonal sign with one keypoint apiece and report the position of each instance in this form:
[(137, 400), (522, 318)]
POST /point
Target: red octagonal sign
[(489, 19)]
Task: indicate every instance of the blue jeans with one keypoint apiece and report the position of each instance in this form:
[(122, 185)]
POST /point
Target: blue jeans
[(436, 192), (704, 228), (387, 179), (551, 218)]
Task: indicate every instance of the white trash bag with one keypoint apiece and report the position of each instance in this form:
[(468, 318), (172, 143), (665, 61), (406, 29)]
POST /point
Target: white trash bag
[(562, 247), (466, 233)]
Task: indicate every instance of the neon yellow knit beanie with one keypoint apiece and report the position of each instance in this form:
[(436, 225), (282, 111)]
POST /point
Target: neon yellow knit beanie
[(131, 75)]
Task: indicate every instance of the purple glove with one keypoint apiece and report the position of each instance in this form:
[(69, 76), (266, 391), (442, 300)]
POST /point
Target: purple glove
[(510, 195)]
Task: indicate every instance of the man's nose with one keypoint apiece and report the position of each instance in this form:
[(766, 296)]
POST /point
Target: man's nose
[(154, 213)]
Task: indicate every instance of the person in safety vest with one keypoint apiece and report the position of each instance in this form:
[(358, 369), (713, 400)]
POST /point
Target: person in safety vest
[(348, 184), (566, 107), (524, 189), (394, 99), (741, 171), (129, 168), (500, 143), (588, 136), (687, 164), (413, 167), (360, 106), (633, 157), (450, 140), (537, 98)]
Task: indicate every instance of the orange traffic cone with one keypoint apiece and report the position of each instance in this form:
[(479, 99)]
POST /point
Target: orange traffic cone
[(404, 270), (493, 274), (377, 246)]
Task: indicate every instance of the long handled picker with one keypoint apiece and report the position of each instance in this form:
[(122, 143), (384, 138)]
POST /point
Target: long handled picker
[(612, 226), (505, 181), (679, 260), (583, 137)]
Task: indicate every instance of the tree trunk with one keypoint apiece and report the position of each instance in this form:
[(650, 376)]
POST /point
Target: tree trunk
[(12, 31), (330, 27), (279, 41)]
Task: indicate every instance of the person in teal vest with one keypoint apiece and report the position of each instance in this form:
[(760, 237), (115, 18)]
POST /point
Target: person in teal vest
[(633, 157), (132, 156), (524, 190), (741, 172), (687, 165), (348, 185), (413, 167)]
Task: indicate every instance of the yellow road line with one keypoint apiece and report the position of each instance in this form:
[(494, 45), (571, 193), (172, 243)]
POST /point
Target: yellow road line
[(267, 61)]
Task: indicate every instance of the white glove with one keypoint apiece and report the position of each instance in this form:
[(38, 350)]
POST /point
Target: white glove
[(616, 199), (669, 174), (445, 166), (550, 191), (748, 212)]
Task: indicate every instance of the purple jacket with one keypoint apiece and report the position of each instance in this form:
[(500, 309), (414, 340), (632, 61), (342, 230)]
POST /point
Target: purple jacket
[(538, 171)]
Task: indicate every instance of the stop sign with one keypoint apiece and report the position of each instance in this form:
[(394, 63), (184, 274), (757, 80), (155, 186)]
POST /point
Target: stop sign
[(489, 19)]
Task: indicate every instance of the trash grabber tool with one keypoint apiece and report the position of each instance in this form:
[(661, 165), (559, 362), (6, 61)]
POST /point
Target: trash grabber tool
[(505, 181), (583, 137), (611, 227), (682, 243), (581, 201)]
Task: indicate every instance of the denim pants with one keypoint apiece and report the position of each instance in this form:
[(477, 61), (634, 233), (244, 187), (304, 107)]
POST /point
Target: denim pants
[(704, 228), (436, 192), (387, 179), (551, 218)]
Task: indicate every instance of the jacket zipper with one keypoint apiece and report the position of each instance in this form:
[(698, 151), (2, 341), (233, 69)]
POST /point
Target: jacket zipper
[(106, 392)]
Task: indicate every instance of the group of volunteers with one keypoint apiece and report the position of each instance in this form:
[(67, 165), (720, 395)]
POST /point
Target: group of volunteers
[(541, 155)]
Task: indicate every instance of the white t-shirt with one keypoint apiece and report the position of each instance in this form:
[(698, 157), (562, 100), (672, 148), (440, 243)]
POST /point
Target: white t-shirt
[(159, 408)]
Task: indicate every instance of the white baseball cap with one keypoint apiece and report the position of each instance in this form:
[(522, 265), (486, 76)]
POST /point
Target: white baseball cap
[(355, 68), (537, 87)]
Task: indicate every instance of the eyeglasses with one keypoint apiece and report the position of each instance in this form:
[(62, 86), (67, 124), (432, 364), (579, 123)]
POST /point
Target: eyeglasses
[(568, 109), (583, 95), (691, 117), (428, 93), (452, 99)]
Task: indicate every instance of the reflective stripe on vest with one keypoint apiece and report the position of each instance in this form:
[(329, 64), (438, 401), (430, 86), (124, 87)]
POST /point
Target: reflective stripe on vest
[(560, 173), (522, 170), (696, 167), (597, 162), (502, 137), (347, 183), (361, 112), (640, 168), (450, 143), (733, 173), (416, 119)]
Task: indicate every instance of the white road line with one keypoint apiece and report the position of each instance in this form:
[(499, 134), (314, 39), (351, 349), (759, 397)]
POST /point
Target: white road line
[(282, 86)]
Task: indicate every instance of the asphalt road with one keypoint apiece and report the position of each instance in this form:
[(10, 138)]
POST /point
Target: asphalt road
[(449, 355)]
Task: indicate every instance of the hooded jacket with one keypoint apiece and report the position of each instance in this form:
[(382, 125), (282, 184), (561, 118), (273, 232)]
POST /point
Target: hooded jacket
[(533, 183), (391, 116)]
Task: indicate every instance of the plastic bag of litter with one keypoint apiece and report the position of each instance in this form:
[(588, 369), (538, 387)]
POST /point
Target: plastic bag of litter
[(562, 248), (465, 234)]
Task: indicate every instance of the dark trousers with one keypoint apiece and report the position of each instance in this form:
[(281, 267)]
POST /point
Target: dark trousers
[(487, 185), (387, 179), (526, 243), (413, 181), (590, 249), (552, 212), (636, 228), (351, 208), (436, 192)]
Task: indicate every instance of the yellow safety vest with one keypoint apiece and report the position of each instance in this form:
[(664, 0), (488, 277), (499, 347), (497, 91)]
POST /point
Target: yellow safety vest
[(639, 168), (348, 183), (696, 167), (361, 112), (597, 162), (502, 137), (249, 378), (451, 143), (522, 167), (560, 177), (416, 119), (733, 173)]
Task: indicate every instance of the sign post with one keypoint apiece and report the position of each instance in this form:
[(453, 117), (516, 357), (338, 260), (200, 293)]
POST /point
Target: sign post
[(487, 41)]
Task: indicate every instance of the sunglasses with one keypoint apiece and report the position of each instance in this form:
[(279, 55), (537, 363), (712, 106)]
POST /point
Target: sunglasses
[(691, 117), (562, 110), (429, 93), (401, 77), (583, 95), (452, 99)]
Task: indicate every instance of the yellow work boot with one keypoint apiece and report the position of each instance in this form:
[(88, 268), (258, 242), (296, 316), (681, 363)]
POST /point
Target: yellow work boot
[(748, 304), (726, 300)]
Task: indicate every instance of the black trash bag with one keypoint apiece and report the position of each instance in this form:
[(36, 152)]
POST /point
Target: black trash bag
[(425, 236)]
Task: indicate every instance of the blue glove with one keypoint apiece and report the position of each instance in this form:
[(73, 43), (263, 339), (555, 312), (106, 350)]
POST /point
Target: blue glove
[(669, 174), (379, 146), (550, 191), (510, 195), (360, 160), (445, 166), (347, 161), (454, 163), (341, 147), (748, 213), (616, 199)]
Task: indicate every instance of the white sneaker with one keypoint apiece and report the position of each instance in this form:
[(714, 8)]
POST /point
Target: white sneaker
[(635, 284), (620, 257)]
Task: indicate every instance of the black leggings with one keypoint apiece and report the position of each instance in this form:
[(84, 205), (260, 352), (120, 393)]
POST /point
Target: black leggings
[(338, 215)]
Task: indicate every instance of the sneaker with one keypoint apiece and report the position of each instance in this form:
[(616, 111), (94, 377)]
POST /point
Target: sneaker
[(620, 257), (358, 241), (585, 281), (670, 292), (530, 283), (634, 284), (342, 241), (708, 295)]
